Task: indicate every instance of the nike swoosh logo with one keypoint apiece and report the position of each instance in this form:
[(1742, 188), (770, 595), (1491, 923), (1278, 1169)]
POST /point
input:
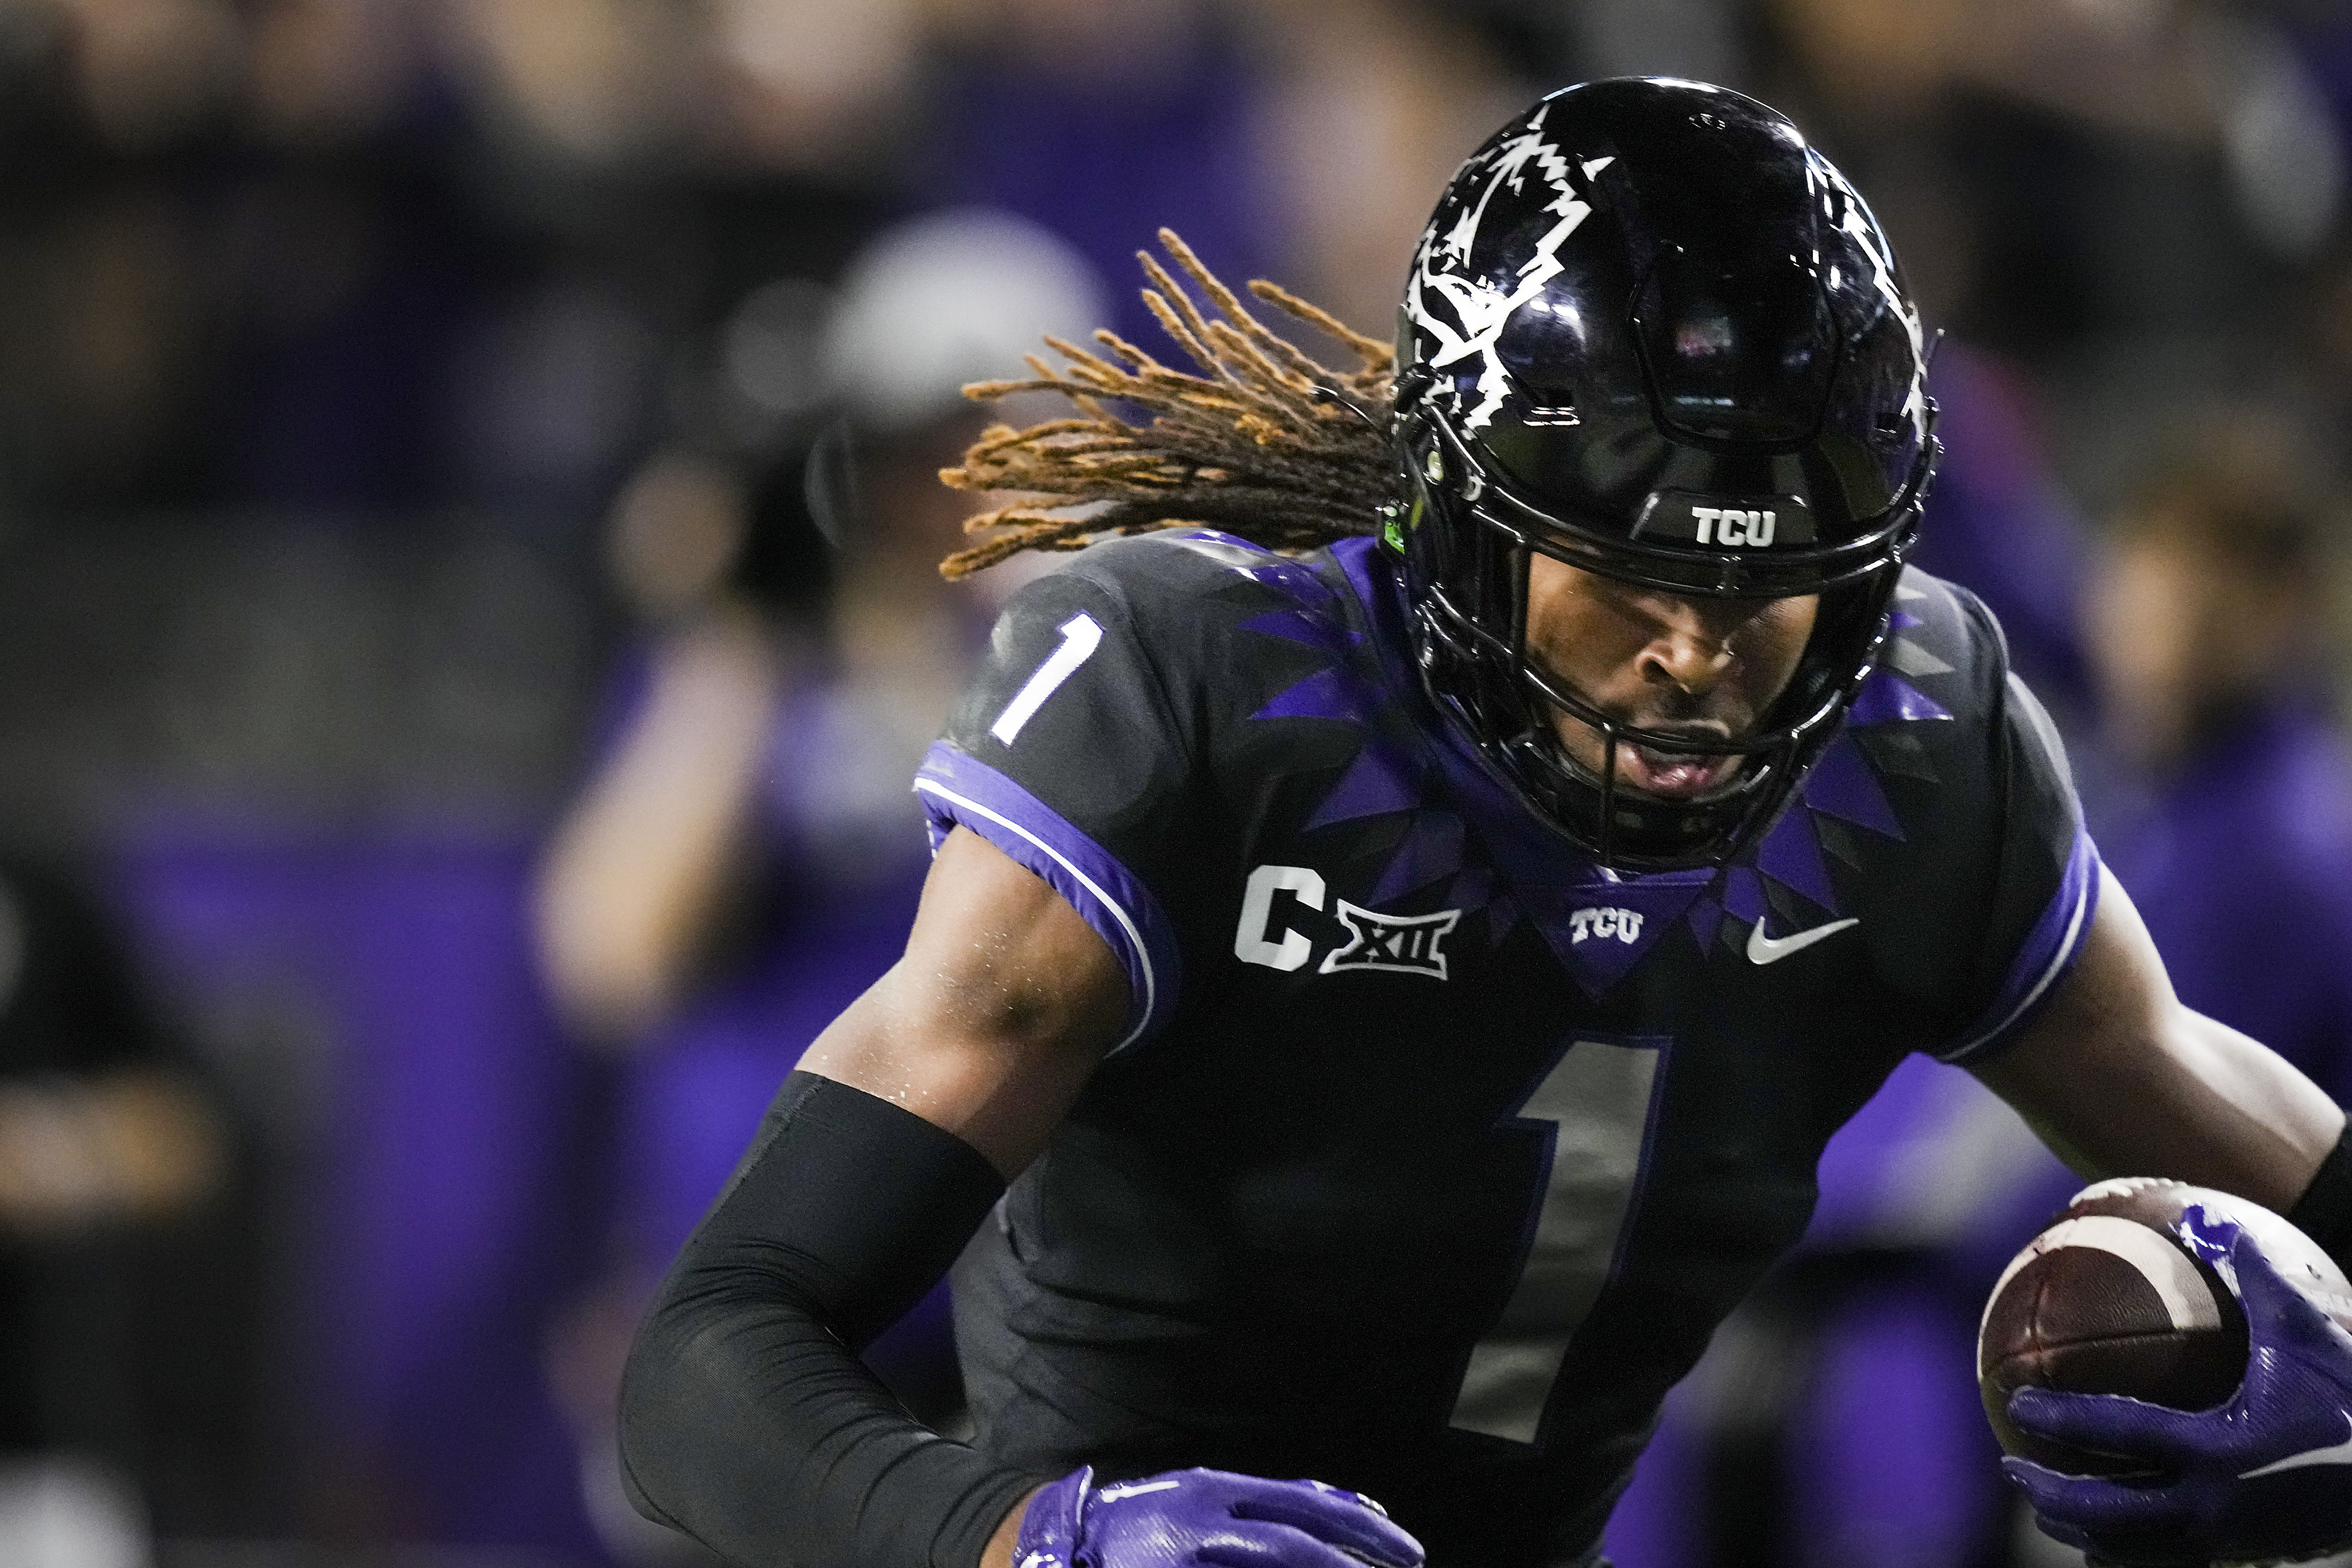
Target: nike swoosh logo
[(1763, 949), (1135, 1489), (2341, 1454)]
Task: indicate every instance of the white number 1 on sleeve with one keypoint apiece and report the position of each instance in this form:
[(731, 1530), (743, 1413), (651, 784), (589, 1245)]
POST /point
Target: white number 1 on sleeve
[(1080, 638)]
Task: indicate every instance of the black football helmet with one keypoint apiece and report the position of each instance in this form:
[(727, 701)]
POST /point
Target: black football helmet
[(1651, 333)]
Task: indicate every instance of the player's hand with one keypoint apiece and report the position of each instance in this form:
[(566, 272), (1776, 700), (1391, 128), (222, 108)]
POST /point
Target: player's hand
[(2268, 1473), (1209, 1516)]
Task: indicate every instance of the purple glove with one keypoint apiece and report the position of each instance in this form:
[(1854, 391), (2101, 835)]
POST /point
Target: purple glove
[(2266, 1474), (1207, 1517)]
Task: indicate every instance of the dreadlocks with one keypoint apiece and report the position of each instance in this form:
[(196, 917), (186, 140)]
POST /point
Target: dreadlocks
[(1265, 444)]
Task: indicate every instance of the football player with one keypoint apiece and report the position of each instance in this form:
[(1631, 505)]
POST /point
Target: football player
[(1375, 1010)]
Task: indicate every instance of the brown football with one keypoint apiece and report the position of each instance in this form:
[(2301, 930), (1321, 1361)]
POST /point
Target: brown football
[(2108, 1300)]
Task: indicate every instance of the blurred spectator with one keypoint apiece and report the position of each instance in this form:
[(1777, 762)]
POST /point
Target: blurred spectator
[(146, 71), (746, 854), (2118, 197), (2232, 823), (1998, 524), (99, 309), (118, 1304), (638, 872), (716, 772)]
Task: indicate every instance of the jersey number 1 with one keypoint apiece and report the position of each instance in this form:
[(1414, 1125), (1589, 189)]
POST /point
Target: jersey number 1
[(1080, 637), (1594, 1107)]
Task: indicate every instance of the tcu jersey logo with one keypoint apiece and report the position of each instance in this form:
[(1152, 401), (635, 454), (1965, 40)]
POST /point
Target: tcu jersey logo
[(1394, 943), (1625, 924)]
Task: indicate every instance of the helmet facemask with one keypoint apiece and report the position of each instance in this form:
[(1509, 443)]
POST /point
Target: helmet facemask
[(1467, 542)]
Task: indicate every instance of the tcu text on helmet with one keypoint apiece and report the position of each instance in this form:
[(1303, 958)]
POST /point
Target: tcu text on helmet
[(1361, 938), (1722, 522), (1733, 524)]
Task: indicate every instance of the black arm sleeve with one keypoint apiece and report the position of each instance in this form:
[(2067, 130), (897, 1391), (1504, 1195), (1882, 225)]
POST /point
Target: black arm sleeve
[(2325, 1211), (746, 1420)]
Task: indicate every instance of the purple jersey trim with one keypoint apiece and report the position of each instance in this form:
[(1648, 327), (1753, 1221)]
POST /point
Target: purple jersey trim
[(2049, 949), (957, 789)]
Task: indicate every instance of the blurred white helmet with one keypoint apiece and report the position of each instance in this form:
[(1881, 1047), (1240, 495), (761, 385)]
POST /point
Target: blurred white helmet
[(952, 297)]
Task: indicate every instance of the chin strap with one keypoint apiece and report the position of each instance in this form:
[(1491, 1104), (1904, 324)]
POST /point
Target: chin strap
[(2323, 1213)]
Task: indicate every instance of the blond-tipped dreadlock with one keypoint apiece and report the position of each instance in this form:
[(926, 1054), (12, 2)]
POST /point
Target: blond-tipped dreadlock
[(1245, 447)]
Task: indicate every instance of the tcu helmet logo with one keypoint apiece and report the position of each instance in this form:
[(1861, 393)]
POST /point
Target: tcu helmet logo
[(1625, 924), (1721, 522), (1461, 295), (1735, 526), (1396, 944)]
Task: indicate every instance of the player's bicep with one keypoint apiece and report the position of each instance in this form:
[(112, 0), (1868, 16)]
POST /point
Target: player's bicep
[(1068, 756), (2121, 1078), (991, 1021)]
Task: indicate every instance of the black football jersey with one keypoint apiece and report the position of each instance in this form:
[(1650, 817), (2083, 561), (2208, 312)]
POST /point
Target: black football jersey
[(1433, 1151)]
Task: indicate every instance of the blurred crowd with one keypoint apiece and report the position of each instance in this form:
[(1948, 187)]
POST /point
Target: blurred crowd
[(468, 512)]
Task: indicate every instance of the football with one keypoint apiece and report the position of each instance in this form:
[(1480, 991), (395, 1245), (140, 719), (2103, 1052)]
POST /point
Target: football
[(2107, 1299)]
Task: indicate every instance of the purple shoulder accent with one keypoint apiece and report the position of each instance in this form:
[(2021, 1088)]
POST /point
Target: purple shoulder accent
[(1430, 850), (1843, 785), (1376, 784), (1325, 634), (957, 789), (1706, 919), (1791, 856), (1743, 894), (1888, 699), (2048, 951), (1326, 694)]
